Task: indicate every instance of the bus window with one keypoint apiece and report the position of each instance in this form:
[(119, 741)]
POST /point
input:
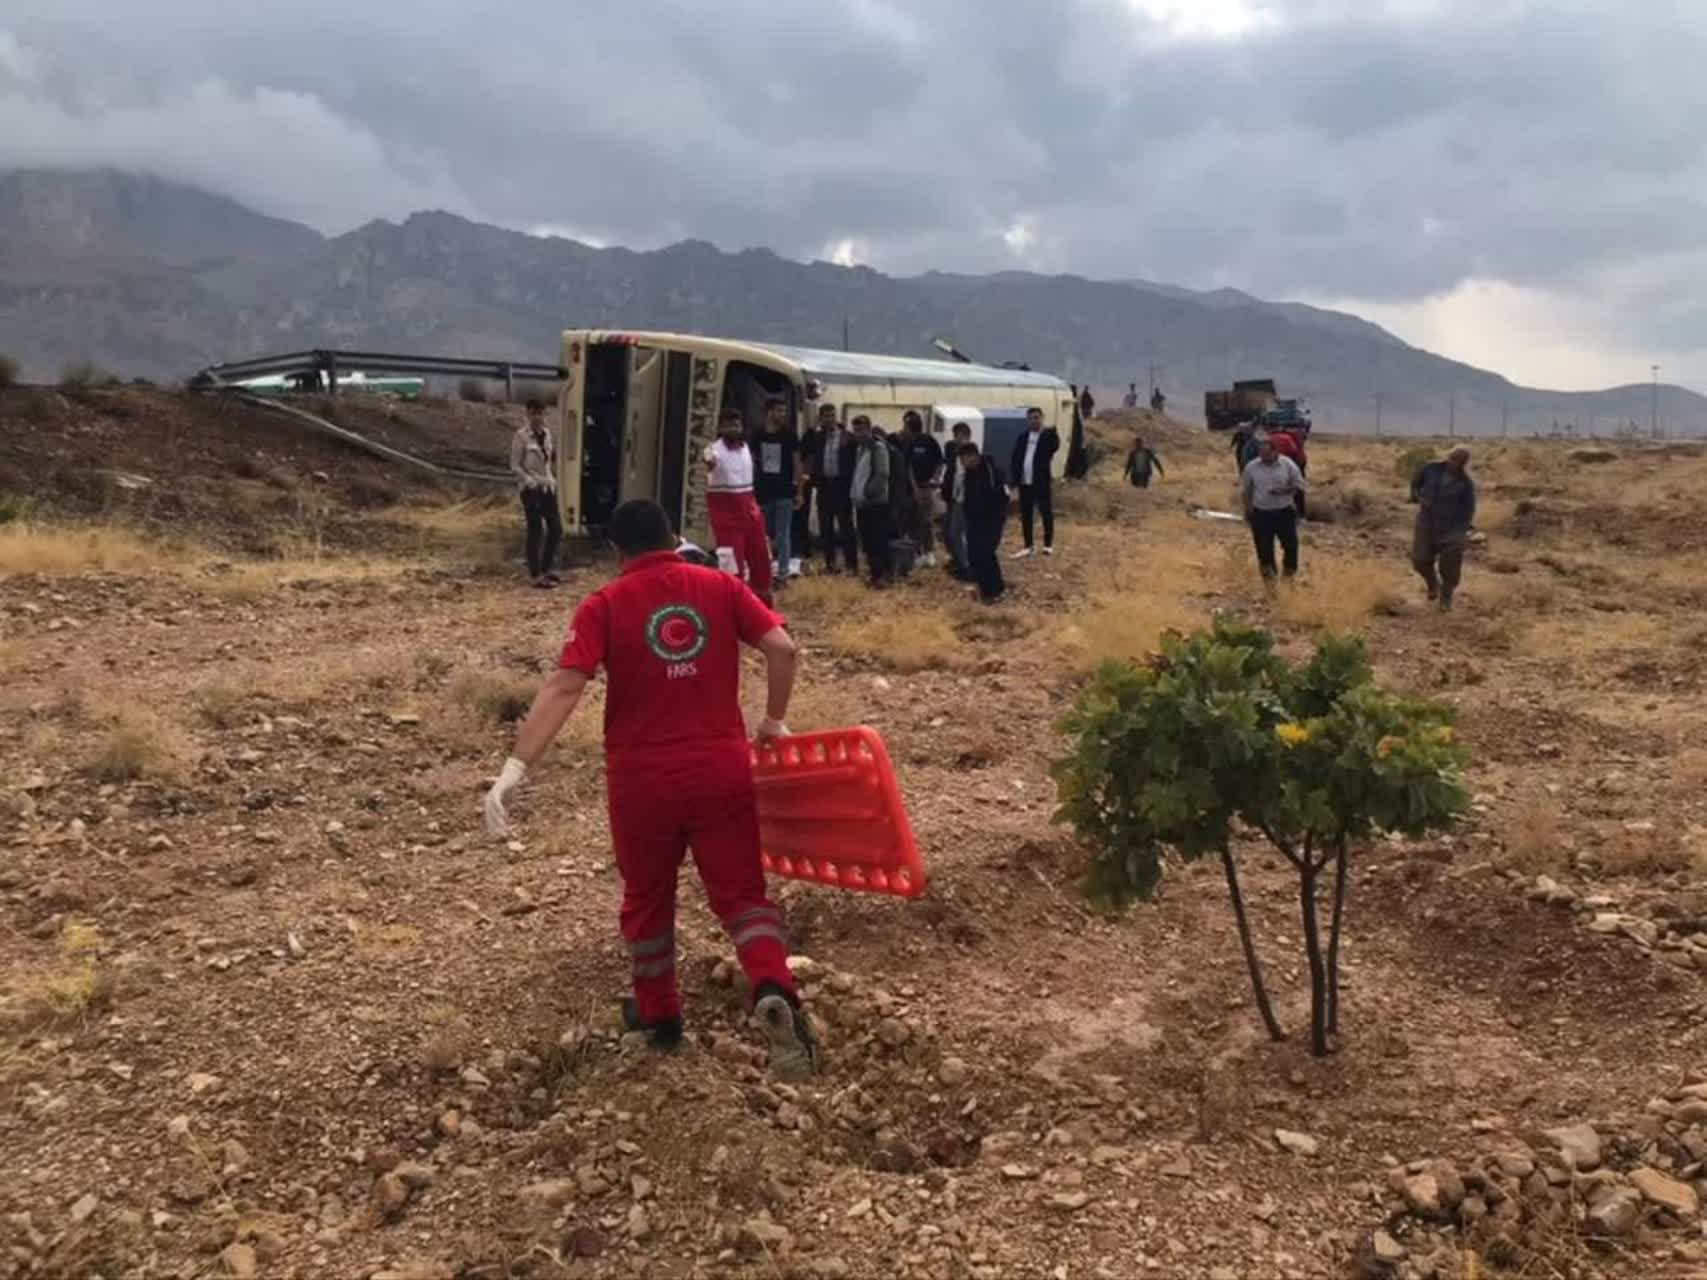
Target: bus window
[(748, 386)]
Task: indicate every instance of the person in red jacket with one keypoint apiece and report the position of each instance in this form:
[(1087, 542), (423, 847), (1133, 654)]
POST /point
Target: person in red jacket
[(678, 772), (1290, 444)]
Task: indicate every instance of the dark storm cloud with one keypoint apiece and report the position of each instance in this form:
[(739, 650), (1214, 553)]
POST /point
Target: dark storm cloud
[(1383, 151)]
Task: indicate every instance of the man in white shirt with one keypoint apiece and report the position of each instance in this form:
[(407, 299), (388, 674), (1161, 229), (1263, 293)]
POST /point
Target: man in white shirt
[(1270, 485), (533, 461), (736, 521), (1032, 470)]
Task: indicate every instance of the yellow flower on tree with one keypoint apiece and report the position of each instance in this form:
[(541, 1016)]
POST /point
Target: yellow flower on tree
[(1293, 735)]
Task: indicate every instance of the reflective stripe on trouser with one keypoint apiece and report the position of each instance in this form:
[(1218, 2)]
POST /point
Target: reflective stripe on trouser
[(653, 958), (661, 806)]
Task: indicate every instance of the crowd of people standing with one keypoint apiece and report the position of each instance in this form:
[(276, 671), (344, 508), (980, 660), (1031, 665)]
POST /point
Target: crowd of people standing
[(856, 495)]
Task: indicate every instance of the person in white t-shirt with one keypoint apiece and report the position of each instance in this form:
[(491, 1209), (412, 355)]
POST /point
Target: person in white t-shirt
[(1270, 485), (736, 521)]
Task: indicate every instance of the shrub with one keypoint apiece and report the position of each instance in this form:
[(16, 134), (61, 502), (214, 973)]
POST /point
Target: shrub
[(494, 695), (473, 390), (1411, 460), (16, 508), (8, 372), (85, 374), (1218, 730)]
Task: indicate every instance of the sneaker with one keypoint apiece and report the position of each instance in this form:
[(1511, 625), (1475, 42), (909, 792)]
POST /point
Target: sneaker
[(1049, 551), (1433, 592), (794, 568), (664, 1035), (794, 1049), (1024, 553), (1445, 601), (928, 560)]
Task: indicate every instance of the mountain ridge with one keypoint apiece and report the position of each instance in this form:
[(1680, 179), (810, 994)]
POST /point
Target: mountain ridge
[(151, 277)]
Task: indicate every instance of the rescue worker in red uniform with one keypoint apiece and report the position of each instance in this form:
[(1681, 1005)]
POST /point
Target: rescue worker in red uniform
[(736, 521), (678, 771)]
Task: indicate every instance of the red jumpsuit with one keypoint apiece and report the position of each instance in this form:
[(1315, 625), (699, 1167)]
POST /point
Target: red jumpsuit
[(736, 521), (678, 772)]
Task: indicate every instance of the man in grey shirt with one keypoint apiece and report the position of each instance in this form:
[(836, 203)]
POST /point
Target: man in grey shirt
[(533, 461), (1270, 485), (1446, 508)]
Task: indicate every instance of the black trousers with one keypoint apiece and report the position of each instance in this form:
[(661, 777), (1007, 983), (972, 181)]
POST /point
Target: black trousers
[(874, 531), (836, 522), (982, 539), (800, 530), (545, 529), (1036, 498), (1266, 527)]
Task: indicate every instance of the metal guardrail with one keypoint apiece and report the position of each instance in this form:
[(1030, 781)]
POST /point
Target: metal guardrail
[(325, 364), (359, 441)]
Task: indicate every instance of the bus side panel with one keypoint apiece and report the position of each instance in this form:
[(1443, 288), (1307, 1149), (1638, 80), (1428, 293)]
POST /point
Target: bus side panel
[(570, 412), (674, 464), (705, 391)]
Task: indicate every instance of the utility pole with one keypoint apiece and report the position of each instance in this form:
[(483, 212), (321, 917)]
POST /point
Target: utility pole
[(1452, 417), (1654, 424), (1377, 415)]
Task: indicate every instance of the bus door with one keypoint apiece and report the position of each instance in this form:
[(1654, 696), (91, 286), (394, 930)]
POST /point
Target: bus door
[(640, 442)]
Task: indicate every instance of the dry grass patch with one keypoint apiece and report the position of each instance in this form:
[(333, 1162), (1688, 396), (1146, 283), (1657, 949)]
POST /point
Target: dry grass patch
[(1592, 636), (1650, 853), (916, 640), (1533, 837), (14, 653), (61, 551), (137, 743), (1154, 588), (386, 941), (67, 993), (1341, 594), (220, 706)]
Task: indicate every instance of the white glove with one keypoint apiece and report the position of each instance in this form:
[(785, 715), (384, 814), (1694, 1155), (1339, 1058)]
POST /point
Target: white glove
[(497, 821), (769, 729)]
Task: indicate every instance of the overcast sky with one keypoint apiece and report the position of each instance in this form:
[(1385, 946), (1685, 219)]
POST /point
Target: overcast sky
[(1518, 183)]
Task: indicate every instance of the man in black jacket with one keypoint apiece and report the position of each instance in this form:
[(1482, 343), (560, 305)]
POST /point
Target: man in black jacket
[(985, 499), (1034, 455), (1446, 508), (831, 466)]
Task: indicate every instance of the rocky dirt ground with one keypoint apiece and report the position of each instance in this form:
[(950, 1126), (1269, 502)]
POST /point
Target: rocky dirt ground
[(272, 1004)]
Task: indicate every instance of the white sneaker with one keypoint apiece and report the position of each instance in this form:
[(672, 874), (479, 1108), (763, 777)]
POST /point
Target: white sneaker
[(794, 569), (1024, 553), (1049, 551), (928, 560)]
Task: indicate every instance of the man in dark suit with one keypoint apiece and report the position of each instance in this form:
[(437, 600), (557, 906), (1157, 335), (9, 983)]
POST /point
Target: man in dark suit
[(1033, 456)]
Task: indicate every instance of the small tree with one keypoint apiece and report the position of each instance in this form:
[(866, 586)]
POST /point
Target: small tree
[(8, 372), (1218, 731)]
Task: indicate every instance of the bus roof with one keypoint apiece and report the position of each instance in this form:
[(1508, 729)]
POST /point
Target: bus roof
[(855, 366)]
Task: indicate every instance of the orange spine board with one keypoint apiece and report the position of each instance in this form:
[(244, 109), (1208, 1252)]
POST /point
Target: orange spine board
[(830, 811)]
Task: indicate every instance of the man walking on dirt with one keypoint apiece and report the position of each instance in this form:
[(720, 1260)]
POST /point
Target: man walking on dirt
[(1446, 508), (678, 773), (1270, 486), (533, 461), (736, 522)]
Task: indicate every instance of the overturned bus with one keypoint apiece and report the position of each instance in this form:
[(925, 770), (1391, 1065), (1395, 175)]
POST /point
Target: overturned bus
[(638, 408)]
